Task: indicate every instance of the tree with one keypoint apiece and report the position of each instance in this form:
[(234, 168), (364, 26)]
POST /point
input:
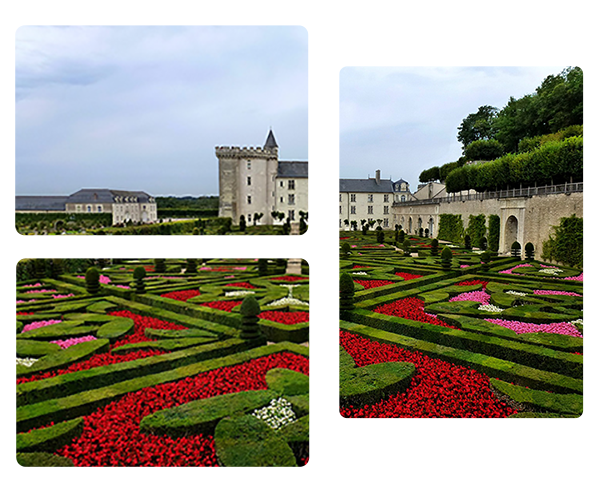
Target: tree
[(242, 223), (483, 150), (478, 126)]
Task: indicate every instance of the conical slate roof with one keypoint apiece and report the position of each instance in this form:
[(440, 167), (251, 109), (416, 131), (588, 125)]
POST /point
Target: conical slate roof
[(270, 143)]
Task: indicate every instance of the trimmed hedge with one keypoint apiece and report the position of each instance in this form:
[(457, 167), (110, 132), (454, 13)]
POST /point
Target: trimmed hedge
[(50, 438)]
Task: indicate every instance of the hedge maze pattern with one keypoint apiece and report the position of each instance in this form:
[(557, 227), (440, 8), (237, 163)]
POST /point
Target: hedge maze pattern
[(155, 371), (497, 340)]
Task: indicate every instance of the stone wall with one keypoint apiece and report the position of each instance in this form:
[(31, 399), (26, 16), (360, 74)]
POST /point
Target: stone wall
[(525, 219)]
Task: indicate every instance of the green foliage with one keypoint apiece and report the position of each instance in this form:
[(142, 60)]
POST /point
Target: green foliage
[(242, 223), (345, 248), (431, 174), (450, 227), (476, 229), (401, 236), (483, 150), (346, 292), (50, 438), (565, 244), (191, 266), (43, 459), (92, 281), (249, 310), (139, 273), (160, 265), (380, 235), (262, 267), (494, 233), (434, 247), (478, 126), (467, 242), (446, 257)]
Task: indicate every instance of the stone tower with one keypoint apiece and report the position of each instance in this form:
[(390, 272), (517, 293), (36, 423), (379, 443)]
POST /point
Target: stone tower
[(247, 181)]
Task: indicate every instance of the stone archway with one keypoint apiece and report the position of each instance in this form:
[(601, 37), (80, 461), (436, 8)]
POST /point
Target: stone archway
[(410, 225), (511, 232), (419, 224), (431, 227)]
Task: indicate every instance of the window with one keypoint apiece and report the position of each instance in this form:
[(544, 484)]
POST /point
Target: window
[(249, 165), (291, 184), (249, 180), (291, 214), (371, 198), (99, 208), (249, 217), (386, 223), (339, 196), (370, 209), (340, 210), (352, 209), (386, 209), (282, 183), (79, 208), (352, 198), (291, 199), (88, 208), (249, 199), (403, 198), (386, 198), (281, 199)]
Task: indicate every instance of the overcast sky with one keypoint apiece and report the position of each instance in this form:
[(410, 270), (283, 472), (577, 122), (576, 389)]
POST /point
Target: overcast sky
[(405, 120), (142, 108)]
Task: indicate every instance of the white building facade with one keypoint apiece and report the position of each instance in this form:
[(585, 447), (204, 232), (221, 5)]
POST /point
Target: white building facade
[(252, 181)]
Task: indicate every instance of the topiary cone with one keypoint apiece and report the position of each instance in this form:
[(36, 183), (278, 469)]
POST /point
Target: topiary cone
[(346, 292), (92, 281), (250, 330)]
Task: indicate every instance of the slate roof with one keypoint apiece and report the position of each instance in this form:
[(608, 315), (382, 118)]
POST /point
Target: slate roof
[(103, 195), (270, 142), (40, 203), (368, 185), (292, 169)]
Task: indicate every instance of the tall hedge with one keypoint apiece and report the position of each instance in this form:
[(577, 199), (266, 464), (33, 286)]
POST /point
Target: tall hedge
[(494, 233), (476, 229), (555, 162), (565, 245), (450, 227)]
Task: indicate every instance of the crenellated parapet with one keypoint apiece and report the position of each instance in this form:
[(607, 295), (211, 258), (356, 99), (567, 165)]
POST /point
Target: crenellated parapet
[(236, 152)]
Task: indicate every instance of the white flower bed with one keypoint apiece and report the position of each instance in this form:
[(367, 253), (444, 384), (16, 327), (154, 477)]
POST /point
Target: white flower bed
[(287, 301), (518, 293), (490, 308), (577, 322), (278, 414), (26, 361), (238, 293), (550, 271), (360, 273)]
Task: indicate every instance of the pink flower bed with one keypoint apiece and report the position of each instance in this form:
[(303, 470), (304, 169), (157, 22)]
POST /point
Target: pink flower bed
[(574, 278), (50, 290), (563, 328), (104, 280), (473, 296), (35, 285), (65, 343), (64, 296), (39, 324), (557, 292), (509, 271)]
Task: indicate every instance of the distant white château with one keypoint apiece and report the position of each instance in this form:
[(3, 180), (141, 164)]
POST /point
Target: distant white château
[(253, 181), (370, 199), (125, 206)]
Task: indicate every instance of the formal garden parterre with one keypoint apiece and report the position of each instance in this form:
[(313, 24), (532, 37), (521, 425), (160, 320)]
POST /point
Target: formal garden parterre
[(442, 329), (166, 362)]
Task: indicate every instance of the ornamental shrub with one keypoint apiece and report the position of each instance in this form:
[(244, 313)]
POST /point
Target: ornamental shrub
[(262, 267), (242, 223), (401, 236), (467, 243), (485, 260), (92, 281), (160, 265), (434, 247), (529, 251), (380, 235), (139, 273), (476, 229), (406, 247), (249, 310), (191, 266), (446, 257), (345, 248), (515, 250), (365, 229), (346, 292), (421, 232)]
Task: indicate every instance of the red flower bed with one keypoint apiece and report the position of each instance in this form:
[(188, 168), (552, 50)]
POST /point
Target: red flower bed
[(25, 313), (411, 308), (111, 435), (242, 284), (289, 278), (182, 295), (102, 359), (226, 305), (408, 276), (290, 318), (359, 266), (373, 283), (94, 361), (473, 282), (438, 389)]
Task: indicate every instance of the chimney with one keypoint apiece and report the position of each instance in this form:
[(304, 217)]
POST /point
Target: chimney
[(378, 176)]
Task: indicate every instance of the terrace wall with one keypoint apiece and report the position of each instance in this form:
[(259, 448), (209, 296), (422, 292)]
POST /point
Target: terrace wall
[(535, 215)]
